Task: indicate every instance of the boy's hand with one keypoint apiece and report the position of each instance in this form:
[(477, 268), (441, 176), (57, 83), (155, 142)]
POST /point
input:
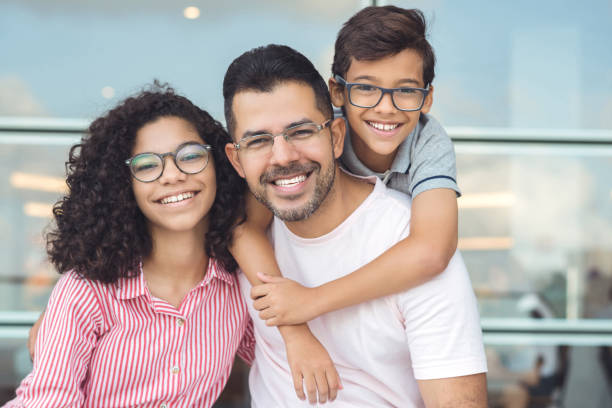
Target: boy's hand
[(33, 334), (311, 366), (282, 301)]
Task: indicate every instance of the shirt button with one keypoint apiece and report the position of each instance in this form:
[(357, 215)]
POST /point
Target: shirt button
[(180, 322), (175, 370), (163, 406)]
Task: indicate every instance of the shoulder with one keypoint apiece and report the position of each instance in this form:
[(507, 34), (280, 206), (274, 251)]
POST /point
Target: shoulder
[(430, 129), (389, 204)]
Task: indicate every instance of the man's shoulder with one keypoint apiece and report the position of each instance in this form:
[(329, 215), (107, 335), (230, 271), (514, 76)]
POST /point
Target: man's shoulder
[(389, 202)]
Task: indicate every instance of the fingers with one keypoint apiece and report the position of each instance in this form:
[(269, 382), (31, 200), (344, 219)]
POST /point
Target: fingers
[(311, 388), (261, 303), (266, 314), (333, 381), (259, 291), (322, 386), (297, 384)]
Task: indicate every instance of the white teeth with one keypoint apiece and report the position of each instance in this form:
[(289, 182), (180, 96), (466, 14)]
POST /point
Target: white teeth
[(291, 181), (383, 126), (177, 198)]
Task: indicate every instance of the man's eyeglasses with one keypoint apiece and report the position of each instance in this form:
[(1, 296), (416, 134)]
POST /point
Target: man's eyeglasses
[(368, 96), (189, 158), (298, 135)]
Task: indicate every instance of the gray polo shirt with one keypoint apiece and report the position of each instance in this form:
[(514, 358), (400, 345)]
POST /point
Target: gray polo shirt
[(424, 161)]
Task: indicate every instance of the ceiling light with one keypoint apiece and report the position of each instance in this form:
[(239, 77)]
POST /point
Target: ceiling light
[(485, 243), (39, 210), (487, 200), (191, 12), (38, 182)]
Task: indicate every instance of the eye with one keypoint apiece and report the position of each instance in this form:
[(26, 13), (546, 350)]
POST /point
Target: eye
[(144, 163), (257, 142), (364, 88), (407, 91), (301, 132)]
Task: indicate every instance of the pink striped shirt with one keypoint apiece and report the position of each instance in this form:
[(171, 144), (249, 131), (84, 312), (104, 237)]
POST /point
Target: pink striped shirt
[(116, 345)]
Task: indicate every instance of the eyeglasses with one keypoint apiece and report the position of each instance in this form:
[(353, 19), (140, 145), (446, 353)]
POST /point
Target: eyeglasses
[(189, 158), (298, 135), (368, 96)]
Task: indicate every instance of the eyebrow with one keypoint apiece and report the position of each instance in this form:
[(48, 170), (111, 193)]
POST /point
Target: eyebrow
[(401, 81), (249, 133)]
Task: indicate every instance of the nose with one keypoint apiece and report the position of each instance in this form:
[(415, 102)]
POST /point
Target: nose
[(283, 152), (386, 104), (171, 173)]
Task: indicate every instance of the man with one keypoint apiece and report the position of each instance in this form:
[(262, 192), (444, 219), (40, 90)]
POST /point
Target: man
[(420, 347)]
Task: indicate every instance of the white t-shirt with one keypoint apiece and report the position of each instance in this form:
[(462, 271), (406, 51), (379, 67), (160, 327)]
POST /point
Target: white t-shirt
[(380, 347)]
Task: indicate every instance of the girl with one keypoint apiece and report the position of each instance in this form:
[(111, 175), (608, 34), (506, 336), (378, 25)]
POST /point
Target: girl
[(147, 312)]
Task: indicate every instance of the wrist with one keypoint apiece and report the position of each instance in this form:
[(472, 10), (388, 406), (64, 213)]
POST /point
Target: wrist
[(294, 332)]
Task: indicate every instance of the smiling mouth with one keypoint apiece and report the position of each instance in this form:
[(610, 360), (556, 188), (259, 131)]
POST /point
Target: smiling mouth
[(177, 198), (386, 127), (290, 182)]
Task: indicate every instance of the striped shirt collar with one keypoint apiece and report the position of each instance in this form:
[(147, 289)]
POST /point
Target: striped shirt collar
[(131, 288)]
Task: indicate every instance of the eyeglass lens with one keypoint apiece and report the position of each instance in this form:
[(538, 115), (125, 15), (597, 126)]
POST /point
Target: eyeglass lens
[(191, 159), (294, 135)]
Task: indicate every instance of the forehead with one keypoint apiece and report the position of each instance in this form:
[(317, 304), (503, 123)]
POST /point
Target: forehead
[(407, 64), (164, 134), (273, 111)]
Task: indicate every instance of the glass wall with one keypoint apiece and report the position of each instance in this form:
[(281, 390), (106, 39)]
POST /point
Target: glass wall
[(524, 89)]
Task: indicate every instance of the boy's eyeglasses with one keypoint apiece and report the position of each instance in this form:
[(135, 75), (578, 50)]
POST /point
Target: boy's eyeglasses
[(368, 96), (189, 158), (298, 135)]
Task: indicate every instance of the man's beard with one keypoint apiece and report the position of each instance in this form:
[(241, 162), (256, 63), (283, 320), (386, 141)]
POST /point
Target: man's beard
[(324, 183)]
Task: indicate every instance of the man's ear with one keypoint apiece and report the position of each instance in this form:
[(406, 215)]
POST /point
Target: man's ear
[(336, 92), (428, 100), (338, 131), (232, 154)]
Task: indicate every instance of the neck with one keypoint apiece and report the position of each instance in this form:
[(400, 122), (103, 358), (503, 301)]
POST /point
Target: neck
[(177, 258), (347, 193)]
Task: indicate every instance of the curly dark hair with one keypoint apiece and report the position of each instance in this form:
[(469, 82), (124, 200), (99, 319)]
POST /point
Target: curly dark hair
[(99, 230)]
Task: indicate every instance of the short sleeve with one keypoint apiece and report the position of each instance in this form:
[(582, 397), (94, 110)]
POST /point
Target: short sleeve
[(433, 163), (67, 337), (442, 325), (246, 349)]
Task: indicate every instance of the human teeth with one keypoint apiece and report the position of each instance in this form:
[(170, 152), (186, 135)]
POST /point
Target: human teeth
[(176, 198), (384, 126), (290, 182)]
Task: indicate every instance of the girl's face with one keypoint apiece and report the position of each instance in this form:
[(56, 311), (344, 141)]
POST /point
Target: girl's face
[(175, 201)]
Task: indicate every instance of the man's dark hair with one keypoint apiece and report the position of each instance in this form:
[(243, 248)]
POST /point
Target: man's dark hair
[(378, 32), (263, 68)]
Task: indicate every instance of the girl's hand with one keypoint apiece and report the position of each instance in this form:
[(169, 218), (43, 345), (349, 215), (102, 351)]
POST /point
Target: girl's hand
[(282, 301)]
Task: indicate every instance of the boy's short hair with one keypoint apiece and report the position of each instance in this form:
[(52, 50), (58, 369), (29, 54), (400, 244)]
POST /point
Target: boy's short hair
[(263, 68), (378, 32)]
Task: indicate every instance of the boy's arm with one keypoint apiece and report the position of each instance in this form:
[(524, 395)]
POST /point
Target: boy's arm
[(310, 364), (416, 259), (469, 391)]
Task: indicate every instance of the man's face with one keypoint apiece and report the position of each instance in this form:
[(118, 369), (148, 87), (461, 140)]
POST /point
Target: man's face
[(291, 180), (377, 132)]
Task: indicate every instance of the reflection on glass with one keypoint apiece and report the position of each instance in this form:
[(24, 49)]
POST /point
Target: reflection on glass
[(537, 219)]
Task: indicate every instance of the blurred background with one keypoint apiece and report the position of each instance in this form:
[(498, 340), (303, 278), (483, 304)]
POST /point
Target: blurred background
[(524, 89)]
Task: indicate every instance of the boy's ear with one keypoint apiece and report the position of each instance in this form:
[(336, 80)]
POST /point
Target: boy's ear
[(232, 154), (337, 93), (338, 131), (428, 100)]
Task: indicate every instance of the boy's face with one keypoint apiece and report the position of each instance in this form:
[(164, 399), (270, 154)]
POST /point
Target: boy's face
[(377, 132)]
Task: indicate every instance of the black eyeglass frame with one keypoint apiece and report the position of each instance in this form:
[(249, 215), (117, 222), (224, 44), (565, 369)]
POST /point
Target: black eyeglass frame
[(349, 85), (284, 134), (162, 157)]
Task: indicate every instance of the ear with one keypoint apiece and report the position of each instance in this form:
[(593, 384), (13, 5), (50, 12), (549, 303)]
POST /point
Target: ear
[(232, 154), (338, 131), (336, 92), (428, 100)]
